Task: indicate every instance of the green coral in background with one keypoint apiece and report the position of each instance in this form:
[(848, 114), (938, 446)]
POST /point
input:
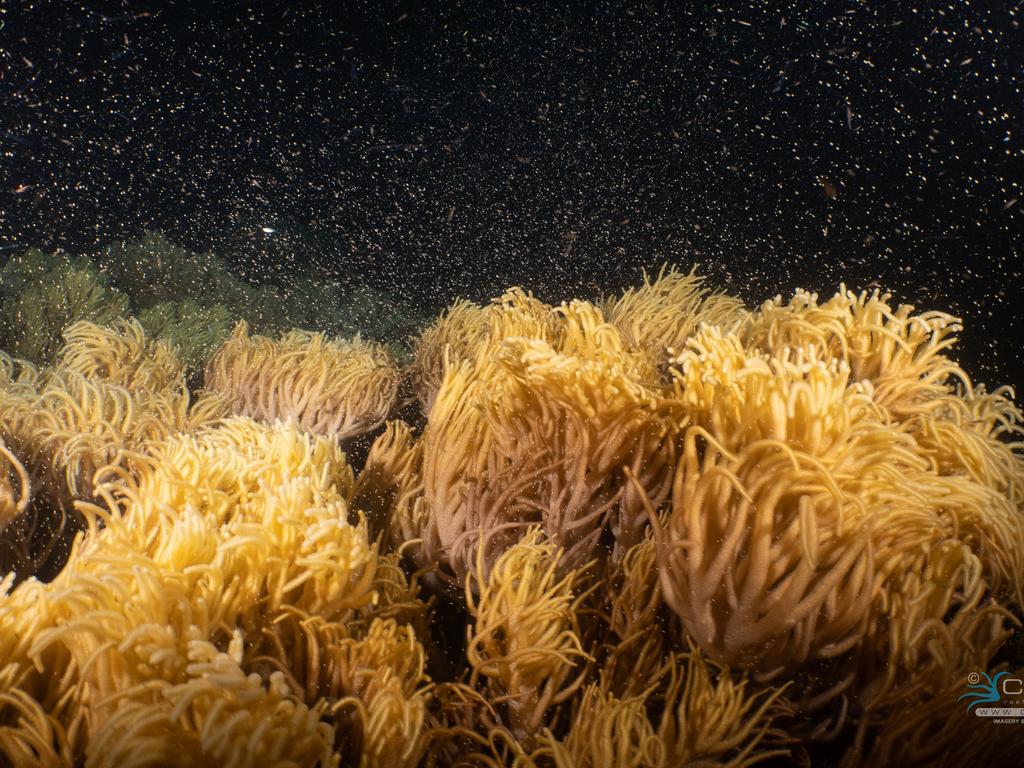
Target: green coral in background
[(191, 299), (194, 330), (377, 314), (32, 267), (268, 312), (151, 269), (43, 294), (28, 268)]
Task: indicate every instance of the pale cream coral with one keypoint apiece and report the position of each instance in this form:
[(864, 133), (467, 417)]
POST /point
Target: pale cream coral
[(121, 354), (334, 387)]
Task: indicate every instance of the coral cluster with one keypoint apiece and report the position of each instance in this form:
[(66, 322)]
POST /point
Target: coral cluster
[(109, 395), (333, 387), (657, 530)]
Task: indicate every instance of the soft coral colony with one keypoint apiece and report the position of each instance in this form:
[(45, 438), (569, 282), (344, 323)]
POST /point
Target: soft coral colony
[(654, 530)]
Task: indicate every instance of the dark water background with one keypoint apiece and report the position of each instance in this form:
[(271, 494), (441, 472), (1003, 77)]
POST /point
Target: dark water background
[(435, 153)]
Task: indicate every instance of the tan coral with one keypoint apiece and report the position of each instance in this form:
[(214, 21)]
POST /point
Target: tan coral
[(698, 715), (636, 644), (712, 718), (465, 329), (342, 388), (453, 337), (67, 426), (29, 735), (543, 430), (901, 353), (809, 525), (968, 438), (940, 625), (758, 562), (109, 395), (905, 357), (216, 715), (608, 732), (379, 680), (390, 486)]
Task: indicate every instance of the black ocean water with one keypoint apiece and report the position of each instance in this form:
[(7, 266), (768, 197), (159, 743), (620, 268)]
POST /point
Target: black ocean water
[(441, 152)]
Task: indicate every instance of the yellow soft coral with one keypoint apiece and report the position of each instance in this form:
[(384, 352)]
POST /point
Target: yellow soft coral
[(525, 639), (221, 535), (658, 317)]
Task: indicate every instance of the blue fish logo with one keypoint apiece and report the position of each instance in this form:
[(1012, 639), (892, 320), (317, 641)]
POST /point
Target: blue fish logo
[(986, 692)]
